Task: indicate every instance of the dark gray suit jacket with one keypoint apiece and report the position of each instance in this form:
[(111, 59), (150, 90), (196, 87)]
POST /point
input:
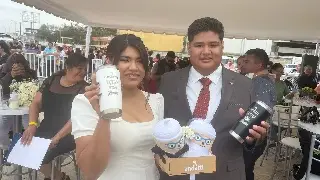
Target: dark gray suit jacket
[(236, 93)]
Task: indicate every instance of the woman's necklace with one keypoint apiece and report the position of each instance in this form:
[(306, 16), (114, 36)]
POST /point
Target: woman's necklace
[(63, 82)]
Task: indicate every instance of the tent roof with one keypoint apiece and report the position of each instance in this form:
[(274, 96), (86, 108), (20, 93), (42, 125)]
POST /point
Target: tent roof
[(252, 19)]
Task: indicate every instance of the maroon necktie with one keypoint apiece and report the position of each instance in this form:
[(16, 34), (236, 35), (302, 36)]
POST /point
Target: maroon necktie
[(202, 105)]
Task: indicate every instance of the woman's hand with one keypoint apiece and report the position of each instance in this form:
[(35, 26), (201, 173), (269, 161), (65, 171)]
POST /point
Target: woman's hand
[(28, 135), (317, 89), (54, 142), (92, 94)]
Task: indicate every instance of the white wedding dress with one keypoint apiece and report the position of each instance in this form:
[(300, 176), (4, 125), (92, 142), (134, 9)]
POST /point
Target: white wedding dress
[(131, 157)]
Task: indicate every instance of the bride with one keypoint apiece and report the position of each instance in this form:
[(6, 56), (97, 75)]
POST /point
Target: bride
[(119, 149)]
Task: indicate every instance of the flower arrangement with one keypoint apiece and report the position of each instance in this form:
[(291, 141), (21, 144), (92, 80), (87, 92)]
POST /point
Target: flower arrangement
[(307, 91), (188, 132), (26, 91)]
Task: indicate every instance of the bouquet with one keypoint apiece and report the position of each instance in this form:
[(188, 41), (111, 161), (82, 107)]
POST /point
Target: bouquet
[(26, 91), (308, 92)]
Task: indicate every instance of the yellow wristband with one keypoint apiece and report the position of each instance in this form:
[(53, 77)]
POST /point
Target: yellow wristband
[(33, 123)]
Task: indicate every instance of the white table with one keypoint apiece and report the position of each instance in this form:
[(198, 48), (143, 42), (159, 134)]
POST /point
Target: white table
[(314, 128), (305, 102), (17, 125), (14, 112)]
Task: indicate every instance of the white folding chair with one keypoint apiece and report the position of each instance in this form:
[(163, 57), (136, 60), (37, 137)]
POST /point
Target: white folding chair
[(285, 117)]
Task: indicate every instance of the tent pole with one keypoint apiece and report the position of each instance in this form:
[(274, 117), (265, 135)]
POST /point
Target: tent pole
[(316, 53), (242, 48), (88, 38)]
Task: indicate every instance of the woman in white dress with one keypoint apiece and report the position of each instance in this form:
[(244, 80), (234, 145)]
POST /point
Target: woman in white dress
[(119, 149)]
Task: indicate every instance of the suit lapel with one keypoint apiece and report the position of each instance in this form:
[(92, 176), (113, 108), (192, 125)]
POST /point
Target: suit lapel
[(181, 93), (226, 93)]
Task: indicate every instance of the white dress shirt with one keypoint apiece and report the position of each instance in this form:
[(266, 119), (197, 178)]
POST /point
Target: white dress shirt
[(194, 87)]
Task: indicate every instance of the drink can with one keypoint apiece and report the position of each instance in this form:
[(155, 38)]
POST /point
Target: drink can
[(108, 77), (256, 113)]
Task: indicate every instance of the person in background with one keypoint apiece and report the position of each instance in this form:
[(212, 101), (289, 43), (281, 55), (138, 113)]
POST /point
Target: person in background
[(150, 59), (269, 66), (298, 68), (4, 52), (163, 66), (17, 68), (183, 63), (16, 46), (170, 60), (40, 48), (256, 62), (281, 87), (60, 54), (282, 91), (70, 50), (307, 79), (90, 58), (48, 54), (157, 58), (78, 51), (55, 98), (230, 65), (240, 62), (99, 55)]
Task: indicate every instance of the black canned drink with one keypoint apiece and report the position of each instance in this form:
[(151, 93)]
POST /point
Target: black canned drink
[(256, 113), (108, 77)]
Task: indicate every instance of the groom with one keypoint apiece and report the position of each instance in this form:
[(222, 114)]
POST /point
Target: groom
[(208, 90)]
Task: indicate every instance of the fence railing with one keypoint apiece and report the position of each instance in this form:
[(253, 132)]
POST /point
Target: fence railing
[(45, 66)]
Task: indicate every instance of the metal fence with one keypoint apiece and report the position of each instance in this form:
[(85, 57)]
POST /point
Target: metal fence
[(45, 66)]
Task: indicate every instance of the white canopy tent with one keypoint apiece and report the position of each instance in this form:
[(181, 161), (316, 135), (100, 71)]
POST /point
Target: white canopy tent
[(251, 19)]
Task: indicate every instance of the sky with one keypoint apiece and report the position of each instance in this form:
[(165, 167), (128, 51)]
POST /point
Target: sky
[(11, 15)]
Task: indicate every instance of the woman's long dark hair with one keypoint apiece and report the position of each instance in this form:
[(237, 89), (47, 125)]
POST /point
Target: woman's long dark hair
[(73, 60), (119, 43), (17, 58)]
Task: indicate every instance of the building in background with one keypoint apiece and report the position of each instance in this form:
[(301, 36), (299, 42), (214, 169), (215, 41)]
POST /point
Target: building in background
[(158, 42)]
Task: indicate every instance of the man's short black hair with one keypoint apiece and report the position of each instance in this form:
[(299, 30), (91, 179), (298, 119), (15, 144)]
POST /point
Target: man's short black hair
[(276, 66), (204, 25), (260, 55), (171, 54)]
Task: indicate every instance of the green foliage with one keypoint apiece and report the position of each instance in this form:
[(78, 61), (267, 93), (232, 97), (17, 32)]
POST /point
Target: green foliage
[(75, 31)]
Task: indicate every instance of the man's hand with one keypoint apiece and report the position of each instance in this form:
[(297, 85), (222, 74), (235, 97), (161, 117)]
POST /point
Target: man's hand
[(257, 133)]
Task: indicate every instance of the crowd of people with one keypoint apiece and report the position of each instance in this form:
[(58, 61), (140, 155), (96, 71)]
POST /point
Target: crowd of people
[(152, 89)]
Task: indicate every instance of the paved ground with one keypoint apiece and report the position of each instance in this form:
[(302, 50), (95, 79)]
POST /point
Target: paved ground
[(262, 172)]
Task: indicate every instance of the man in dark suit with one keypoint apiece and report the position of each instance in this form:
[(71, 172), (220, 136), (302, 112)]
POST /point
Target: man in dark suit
[(213, 93)]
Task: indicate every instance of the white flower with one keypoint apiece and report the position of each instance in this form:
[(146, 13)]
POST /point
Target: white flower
[(188, 132), (26, 91)]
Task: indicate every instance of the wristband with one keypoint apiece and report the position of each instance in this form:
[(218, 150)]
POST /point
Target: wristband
[(33, 123)]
